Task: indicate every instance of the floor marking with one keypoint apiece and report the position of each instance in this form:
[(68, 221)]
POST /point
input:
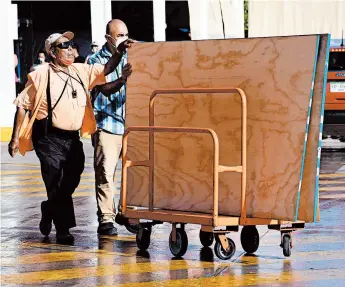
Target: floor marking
[(97, 271)]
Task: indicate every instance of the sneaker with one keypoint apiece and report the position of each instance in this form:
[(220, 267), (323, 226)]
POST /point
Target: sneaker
[(64, 237), (107, 228), (46, 221)]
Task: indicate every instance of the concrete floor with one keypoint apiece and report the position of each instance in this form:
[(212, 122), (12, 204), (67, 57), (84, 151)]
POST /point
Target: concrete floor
[(318, 257)]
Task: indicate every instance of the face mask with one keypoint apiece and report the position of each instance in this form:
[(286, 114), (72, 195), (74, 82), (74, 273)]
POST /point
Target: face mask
[(117, 42), (40, 60), (120, 40)]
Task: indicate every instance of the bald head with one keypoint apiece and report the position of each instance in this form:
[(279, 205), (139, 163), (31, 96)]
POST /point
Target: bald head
[(116, 27), (116, 33)]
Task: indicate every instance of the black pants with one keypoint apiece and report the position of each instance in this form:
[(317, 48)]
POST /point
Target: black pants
[(62, 163)]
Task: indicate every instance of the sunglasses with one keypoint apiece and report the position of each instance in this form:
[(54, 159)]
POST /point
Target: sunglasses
[(66, 45)]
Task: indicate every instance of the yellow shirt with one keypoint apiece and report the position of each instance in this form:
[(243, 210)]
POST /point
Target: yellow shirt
[(69, 114)]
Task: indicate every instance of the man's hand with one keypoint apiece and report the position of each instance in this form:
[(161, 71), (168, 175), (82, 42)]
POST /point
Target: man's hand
[(13, 146), (126, 71), (115, 59), (125, 45)]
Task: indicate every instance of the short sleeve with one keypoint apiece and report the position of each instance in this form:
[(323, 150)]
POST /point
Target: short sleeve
[(96, 75), (93, 60), (26, 98)]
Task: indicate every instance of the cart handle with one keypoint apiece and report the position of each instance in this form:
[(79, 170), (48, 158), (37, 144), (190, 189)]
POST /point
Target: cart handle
[(149, 163), (228, 90)]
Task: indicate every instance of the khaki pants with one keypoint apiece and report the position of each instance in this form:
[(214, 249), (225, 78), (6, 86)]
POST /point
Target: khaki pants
[(107, 150)]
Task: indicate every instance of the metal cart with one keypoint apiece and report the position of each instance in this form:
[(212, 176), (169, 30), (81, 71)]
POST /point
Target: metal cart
[(213, 226)]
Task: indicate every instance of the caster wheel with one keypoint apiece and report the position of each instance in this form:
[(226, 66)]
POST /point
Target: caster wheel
[(143, 238), (250, 239), (179, 248), (286, 244), (225, 254), (206, 238), (132, 228)]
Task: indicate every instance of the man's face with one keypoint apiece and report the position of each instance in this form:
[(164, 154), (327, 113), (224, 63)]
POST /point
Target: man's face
[(41, 57), (94, 49), (63, 50), (117, 36)]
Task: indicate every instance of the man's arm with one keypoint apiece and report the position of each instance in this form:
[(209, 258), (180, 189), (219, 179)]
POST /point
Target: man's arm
[(115, 59), (13, 145), (111, 88), (108, 89)]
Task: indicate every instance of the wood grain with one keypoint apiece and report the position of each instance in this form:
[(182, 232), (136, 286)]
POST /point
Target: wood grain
[(306, 207), (276, 75)]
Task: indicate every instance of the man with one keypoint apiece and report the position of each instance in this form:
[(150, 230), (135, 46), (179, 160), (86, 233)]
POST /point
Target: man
[(109, 109), (94, 49), (57, 97), (41, 59), (77, 57)]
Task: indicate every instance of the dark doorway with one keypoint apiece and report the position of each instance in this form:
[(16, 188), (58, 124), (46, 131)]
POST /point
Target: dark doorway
[(177, 20), (138, 16), (39, 19)]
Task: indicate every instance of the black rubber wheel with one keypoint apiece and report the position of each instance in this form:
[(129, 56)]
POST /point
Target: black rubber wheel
[(206, 238), (286, 242), (225, 254), (143, 238), (250, 239), (133, 228), (178, 248)]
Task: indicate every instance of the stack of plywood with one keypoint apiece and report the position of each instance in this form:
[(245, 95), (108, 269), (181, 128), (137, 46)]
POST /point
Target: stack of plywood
[(277, 74)]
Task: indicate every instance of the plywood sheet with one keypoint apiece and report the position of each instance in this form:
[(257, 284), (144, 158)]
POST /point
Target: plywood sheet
[(306, 208), (276, 75)]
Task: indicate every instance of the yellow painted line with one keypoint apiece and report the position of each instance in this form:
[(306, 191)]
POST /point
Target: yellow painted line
[(24, 177), (58, 257), (5, 134), (30, 171), (239, 279), (52, 246), (36, 182), (322, 255), (75, 194), (18, 174), (37, 189), (332, 188), (261, 259), (97, 271), (7, 164), (121, 238), (322, 182), (14, 183), (69, 248), (32, 164), (335, 196), (330, 175), (20, 164), (70, 255), (20, 177)]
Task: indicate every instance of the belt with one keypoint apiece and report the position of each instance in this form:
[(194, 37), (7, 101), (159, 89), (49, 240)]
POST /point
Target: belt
[(41, 127), (54, 130)]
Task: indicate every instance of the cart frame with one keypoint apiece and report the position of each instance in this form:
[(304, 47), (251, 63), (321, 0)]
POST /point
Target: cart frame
[(210, 223)]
